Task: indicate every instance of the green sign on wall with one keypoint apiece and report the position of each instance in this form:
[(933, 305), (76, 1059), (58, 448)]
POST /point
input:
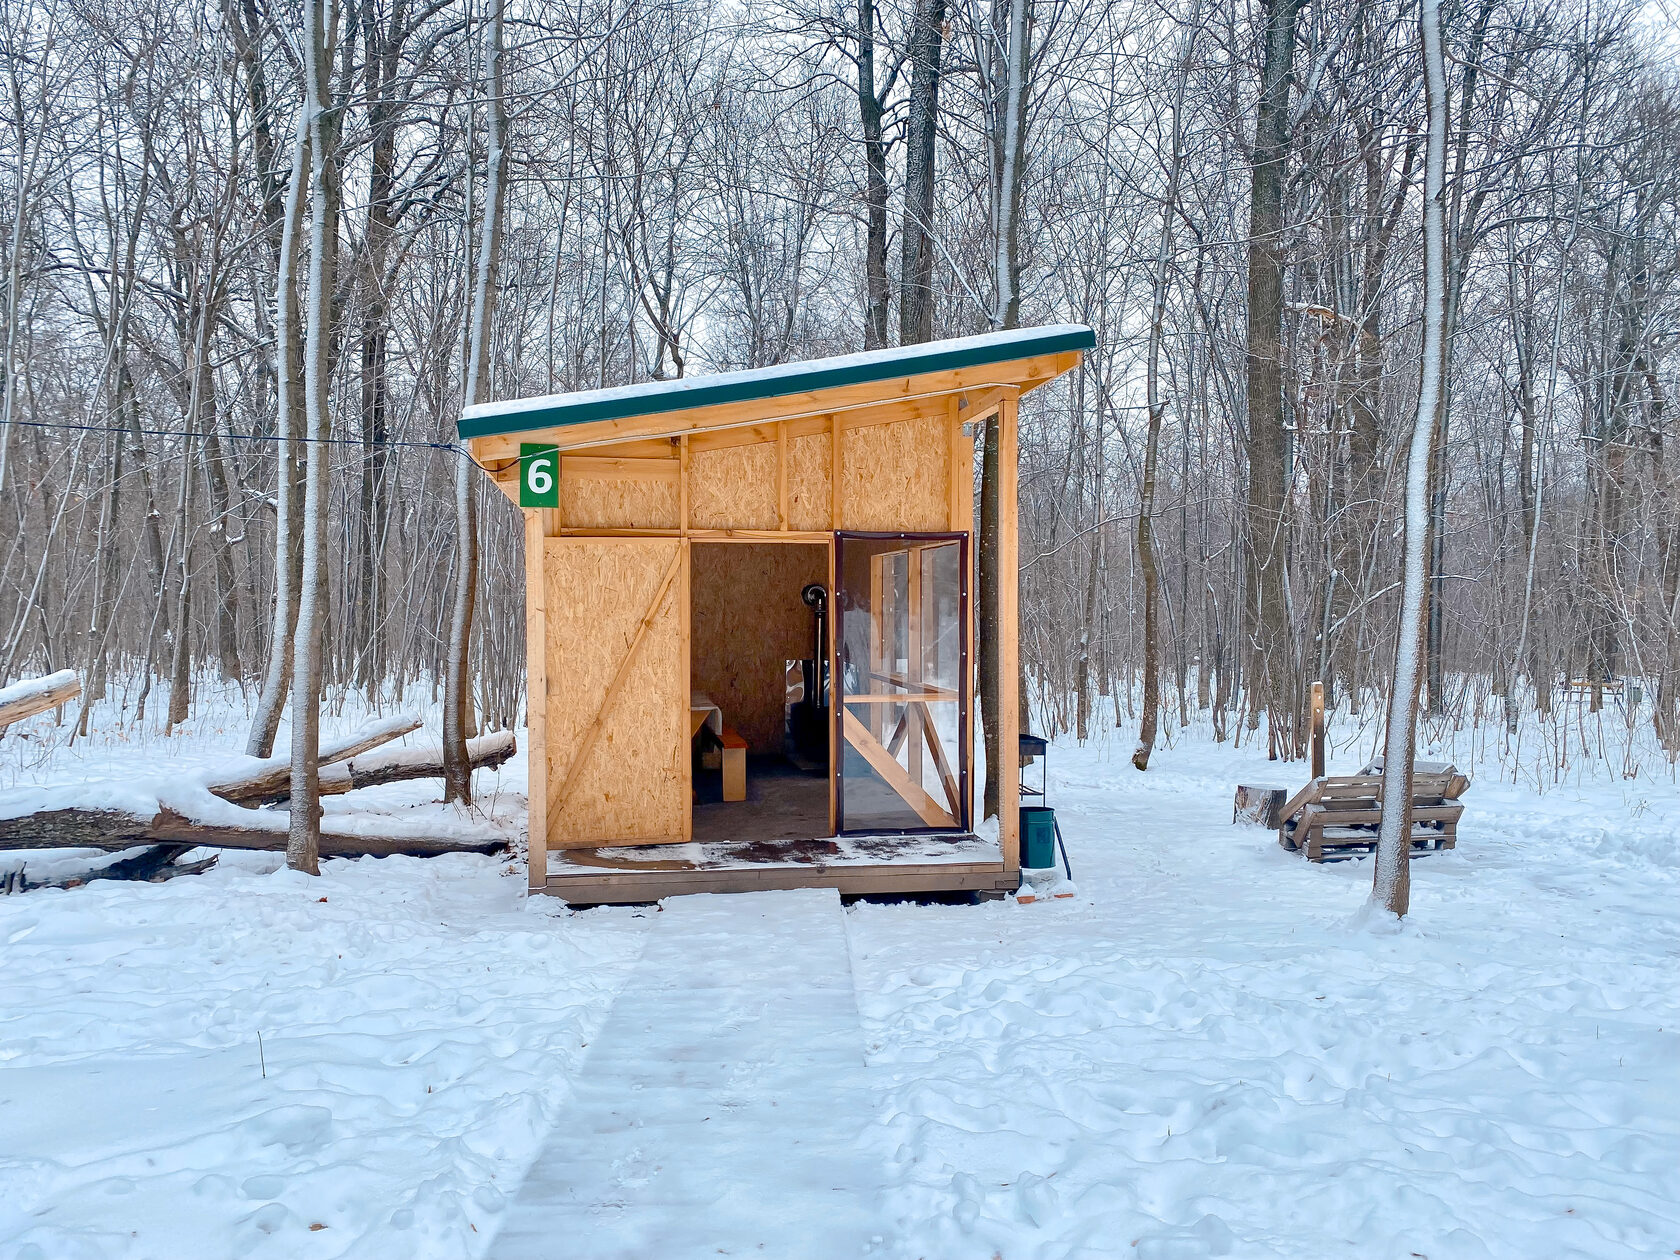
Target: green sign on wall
[(539, 475)]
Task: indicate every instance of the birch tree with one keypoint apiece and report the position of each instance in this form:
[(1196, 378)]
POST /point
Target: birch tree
[(1391, 876)]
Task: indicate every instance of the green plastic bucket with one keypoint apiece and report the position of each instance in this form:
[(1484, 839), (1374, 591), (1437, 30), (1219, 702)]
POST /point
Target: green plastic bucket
[(1038, 836)]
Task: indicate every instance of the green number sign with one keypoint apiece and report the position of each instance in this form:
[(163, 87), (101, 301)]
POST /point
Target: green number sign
[(539, 475)]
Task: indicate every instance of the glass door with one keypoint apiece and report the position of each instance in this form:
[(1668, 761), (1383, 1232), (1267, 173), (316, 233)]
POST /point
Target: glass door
[(901, 648)]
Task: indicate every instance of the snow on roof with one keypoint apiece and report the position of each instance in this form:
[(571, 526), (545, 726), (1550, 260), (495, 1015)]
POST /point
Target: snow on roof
[(653, 397)]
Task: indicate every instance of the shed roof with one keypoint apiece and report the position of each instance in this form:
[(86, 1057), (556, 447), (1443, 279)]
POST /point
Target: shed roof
[(656, 397)]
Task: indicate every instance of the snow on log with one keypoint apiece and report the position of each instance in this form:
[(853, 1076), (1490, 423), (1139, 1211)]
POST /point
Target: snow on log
[(265, 782), (412, 763), (113, 829), (37, 695)]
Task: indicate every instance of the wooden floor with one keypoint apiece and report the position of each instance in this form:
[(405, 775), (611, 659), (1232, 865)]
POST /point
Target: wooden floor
[(852, 865)]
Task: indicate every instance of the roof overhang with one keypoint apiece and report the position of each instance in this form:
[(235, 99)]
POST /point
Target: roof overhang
[(1021, 359)]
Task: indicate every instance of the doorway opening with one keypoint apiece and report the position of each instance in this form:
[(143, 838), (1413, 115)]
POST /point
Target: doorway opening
[(758, 691)]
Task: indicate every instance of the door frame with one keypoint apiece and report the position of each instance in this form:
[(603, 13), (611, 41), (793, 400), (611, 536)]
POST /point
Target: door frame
[(965, 656)]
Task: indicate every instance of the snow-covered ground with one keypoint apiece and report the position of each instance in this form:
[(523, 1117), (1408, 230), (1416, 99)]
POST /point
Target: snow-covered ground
[(1210, 1051)]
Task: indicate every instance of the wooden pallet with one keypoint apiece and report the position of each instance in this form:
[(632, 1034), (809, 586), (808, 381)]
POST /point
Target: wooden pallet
[(1339, 816)]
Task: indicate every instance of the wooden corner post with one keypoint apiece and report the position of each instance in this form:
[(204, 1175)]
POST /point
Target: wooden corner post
[(536, 698), (1008, 646), (1318, 730)]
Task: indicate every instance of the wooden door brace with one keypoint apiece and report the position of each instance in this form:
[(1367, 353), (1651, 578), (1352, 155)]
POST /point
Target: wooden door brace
[(586, 743)]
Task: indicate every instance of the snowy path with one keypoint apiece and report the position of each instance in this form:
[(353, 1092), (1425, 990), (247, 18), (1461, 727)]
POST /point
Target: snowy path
[(723, 1108)]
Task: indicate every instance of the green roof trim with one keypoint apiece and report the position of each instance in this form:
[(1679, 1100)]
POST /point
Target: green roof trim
[(655, 397)]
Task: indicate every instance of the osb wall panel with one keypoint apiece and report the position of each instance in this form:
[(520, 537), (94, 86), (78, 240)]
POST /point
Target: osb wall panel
[(733, 487), (633, 787), (895, 476), (746, 622), (610, 503), (810, 501)]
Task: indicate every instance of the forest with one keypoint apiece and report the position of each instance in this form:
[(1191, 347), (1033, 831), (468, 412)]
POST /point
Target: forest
[(258, 256)]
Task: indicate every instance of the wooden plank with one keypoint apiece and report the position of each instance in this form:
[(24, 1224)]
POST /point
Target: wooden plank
[(592, 732), (759, 535), (878, 622), (639, 448), (836, 434), (536, 700), (724, 439), (901, 697), (834, 696), (1306, 796), (1318, 730), (957, 466), (619, 469), (682, 485), (734, 768), (782, 477), (685, 631), (1008, 646), (848, 880), (953, 792), (913, 656), (631, 533), (1326, 816)]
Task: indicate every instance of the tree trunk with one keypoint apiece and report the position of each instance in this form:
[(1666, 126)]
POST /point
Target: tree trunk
[(290, 423), (1008, 125), (1270, 677), (304, 840), (877, 291), (457, 702), (1391, 878), (915, 307), (1147, 559)]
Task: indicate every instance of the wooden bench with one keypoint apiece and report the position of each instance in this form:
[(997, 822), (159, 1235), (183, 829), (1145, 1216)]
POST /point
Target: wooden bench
[(734, 765), (1339, 816)]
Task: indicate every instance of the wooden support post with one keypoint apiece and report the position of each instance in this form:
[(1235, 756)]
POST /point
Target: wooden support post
[(1318, 730), (913, 714), (836, 431), (878, 664), (682, 484), (536, 698), (1008, 646), (782, 476), (685, 614), (960, 471), (834, 695)]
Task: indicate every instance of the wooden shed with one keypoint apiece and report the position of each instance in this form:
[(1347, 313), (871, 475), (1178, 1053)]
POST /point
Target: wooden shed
[(750, 621)]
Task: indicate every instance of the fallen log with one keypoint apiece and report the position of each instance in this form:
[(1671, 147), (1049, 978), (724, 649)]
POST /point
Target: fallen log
[(37, 695), (269, 781), (402, 764), (151, 865), (114, 829)]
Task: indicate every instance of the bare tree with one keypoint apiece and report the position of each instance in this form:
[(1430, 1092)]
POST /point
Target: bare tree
[(320, 42), (1392, 879)]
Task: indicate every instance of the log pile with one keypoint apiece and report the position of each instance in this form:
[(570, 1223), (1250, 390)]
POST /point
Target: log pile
[(237, 810)]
